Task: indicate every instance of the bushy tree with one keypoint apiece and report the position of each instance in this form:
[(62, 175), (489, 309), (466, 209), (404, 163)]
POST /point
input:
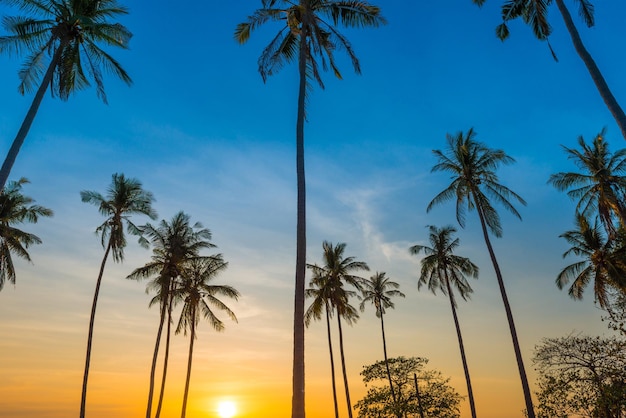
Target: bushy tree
[(581, 376), (433, 397)]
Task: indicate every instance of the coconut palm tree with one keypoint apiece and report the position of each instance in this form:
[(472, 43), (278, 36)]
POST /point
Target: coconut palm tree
[(441, 269), (378, 290), (338, 269), (69, 35), (174, 243), (199, 295), (321, 292), (124, 197), (601, 187), (310, 38), (472, 165), (16, 209), (535, 14), (604, 262)]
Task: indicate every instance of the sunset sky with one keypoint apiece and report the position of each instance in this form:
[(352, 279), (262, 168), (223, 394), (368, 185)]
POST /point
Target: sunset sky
[(201, 131)]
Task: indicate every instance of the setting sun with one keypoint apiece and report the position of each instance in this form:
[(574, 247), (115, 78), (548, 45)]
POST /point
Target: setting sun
[(226, 409)]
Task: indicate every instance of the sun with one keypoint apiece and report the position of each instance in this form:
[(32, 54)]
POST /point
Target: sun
[(226, 409)]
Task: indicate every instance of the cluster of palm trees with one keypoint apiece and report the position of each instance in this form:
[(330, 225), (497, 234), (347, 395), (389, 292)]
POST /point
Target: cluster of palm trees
[(332, 285), (178, 272)]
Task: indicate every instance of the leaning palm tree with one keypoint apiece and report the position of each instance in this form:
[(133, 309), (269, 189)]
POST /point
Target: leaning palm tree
[(338, 269), (310, 38), (124, 197), (16, 209), (601, 187), (535, 14), (472, 165), (604, 262), (321, 292), (174, 243), (68, 34), (199, 295), (378, 290), (441, 269)]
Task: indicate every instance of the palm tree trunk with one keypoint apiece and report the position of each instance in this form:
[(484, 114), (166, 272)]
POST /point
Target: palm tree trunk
[(297, 402), (90, 333), (594, 71), (382, 327), (470, 393), (193, 337), (154, 360), (509, 316), (28, 121), (332, 362), (419, 398), (167, 351), (343, 366)]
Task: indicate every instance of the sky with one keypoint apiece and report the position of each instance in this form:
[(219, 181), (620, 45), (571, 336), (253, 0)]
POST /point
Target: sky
[(205, 135)]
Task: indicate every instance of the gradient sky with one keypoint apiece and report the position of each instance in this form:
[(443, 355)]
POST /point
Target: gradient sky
[(202, 131)]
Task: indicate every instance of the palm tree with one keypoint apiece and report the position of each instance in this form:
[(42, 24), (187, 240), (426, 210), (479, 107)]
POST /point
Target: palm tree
[(338, 269), (69, 33), (199, 296), (321, 292), (535, 14), (124, 197), (15, 209), (604, 262), (308, 38), (601, 186), (473, 166), (174, 243), (378, 290), (440, 267)]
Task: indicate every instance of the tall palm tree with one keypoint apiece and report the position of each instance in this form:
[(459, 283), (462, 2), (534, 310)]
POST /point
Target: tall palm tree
[(68, 33), (601, 187), (124, 197), (440, 268), (378, 290), (174, 243), (199, 295), (338, 269), (321, 292), (535, 14), (474, 180), (604, 262), (16, 209), (309, 38)]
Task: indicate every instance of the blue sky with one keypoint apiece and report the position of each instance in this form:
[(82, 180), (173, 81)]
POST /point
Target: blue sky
[(202, 131)]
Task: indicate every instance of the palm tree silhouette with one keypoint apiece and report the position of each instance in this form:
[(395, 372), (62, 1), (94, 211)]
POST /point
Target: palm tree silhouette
[(378, 290), (174, 244), (309, 38), (124, 197), (70, 32), (199, 295), (473, 166), (16, 209), (441, 267)]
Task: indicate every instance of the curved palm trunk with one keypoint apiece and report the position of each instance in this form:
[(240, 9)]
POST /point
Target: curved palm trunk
[(332, 362), (193, 337), (297, 401), (419, 398), (28, 121), (92, 318), (594, 71), (470, 393), (167, 352), (382, 327), (154, 361), (509, 316), (343, 366)]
